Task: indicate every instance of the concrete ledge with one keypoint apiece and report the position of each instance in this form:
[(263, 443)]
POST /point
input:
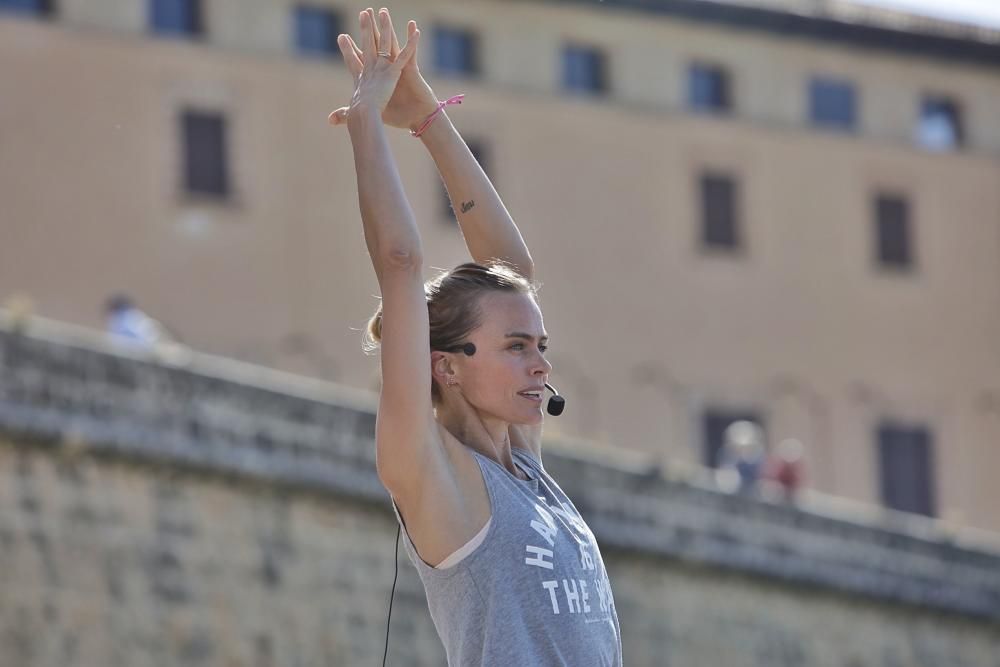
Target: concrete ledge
[(65, 386)]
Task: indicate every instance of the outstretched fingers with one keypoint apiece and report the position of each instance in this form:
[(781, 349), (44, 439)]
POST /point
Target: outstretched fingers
[(374, 40), (357, 49), (378, 26), (411, 29), (353, 58), (387, 27), (410, 50), (352, 55), (368, 39)]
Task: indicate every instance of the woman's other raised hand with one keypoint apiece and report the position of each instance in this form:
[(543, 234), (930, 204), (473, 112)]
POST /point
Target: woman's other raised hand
[(410, 100)]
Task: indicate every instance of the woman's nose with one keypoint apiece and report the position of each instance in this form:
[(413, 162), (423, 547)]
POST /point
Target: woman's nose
[(544, 366)]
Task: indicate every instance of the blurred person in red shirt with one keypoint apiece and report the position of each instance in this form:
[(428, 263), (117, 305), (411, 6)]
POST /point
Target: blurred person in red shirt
[(785, 468)]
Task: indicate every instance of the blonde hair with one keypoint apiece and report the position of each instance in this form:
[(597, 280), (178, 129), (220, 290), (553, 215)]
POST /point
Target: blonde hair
[(453, 306)]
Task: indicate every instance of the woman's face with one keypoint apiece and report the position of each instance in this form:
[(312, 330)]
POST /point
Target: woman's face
[(506, 375)]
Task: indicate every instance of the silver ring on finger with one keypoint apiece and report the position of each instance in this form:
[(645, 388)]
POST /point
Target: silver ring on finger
[(384, 54)]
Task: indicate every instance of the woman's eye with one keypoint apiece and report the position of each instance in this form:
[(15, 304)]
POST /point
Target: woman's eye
[(520, 346)]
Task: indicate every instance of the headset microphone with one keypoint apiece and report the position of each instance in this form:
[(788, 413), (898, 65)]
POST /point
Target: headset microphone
[(557, 403)]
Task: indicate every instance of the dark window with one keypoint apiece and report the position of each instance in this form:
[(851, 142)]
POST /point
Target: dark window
[(715, 423), (479, 151), (892, 220), (719, 214), (940, 124), (41, 8), (906, 462), (175, 17), (708, 88), (205, 166), (584, 70), (832, 103), (316, 31), (455, 52)]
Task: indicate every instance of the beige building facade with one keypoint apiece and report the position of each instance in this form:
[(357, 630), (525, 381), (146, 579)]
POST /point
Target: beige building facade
[(846, 293)]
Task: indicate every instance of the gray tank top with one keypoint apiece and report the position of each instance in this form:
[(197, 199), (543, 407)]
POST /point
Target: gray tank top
[(535, 592)]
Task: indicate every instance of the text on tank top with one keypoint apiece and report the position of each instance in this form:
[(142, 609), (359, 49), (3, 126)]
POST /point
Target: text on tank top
[(531, 588)]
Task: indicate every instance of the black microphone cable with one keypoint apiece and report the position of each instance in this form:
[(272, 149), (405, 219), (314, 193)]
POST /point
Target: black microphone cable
[(395, 560)]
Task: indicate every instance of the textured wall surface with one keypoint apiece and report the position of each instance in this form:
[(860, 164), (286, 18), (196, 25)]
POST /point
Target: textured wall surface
[(191, 511)]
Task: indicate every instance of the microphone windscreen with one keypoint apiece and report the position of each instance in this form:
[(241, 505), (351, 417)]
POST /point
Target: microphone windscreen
[(556, 405)]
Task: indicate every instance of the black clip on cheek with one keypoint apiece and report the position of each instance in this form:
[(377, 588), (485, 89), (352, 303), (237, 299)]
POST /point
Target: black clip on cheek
[(468, 348)]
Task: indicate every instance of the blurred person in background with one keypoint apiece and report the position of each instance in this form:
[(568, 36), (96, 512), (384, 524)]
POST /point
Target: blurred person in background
[(512, 573), (785, 469), (743, 457), (126, 321)]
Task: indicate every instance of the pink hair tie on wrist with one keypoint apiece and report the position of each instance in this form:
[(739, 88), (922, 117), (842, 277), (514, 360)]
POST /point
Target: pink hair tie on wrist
[(457, 99)]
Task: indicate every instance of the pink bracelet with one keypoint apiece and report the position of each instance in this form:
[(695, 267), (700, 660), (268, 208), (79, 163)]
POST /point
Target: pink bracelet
[(457, 99)]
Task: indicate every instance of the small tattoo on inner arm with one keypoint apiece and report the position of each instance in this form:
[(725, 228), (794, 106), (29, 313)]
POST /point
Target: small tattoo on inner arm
[(468, 206)]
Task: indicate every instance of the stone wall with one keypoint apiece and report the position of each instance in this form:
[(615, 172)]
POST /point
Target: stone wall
[(176, 509)]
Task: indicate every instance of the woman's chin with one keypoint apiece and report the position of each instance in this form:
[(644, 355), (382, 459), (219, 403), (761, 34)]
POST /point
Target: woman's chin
[(534, 420)]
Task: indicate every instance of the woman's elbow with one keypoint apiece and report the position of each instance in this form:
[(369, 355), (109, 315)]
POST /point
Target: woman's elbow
[(404, 256), (398, 257)]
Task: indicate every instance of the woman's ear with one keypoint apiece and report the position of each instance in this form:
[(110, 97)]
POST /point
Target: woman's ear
[(441, 367)]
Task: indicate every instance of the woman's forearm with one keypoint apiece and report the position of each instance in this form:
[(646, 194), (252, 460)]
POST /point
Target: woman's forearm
[(487, 226), (390, 228)]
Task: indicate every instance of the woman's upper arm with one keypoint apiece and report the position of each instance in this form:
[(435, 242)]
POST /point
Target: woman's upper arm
[(405, 415)]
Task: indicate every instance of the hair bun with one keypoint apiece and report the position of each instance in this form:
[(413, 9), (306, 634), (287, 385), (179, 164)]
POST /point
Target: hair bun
[(373, 333)]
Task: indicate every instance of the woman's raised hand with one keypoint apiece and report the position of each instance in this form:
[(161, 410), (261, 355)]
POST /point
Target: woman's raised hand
[(411, 100), (378, 66)]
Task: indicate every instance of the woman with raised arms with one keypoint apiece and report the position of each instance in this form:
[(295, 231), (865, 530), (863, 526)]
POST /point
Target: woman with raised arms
[(512, 573)]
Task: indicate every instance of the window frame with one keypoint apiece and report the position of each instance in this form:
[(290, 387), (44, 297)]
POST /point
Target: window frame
[(597, 69), (196, 30), (957, 121), (190, 188), (735, 243), (44, 9), (725, 104), (922, 500), (819, 115), (884, 220), (330, 50), (470, 65)]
